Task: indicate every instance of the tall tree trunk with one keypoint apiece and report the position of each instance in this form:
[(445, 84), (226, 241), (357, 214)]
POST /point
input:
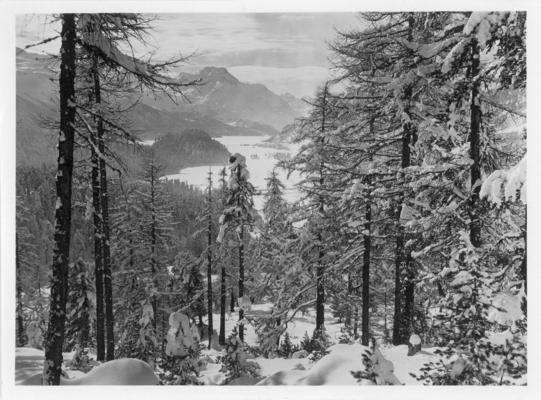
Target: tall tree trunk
[(54, 340), (524, 264), (153, 242), (349, 304), (221, 337), (355, 321), (403, 264), (232, 301), (320, 269), (397, 316), (98, 239), (403, 258), (107, 278), (209, 262), (241, 280), (19, 293), (475, 130), (367, 241), (409, 296), (84, 334), (320, 292)]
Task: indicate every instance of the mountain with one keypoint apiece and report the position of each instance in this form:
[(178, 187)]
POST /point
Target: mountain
[(225, 98), (151, 123), (220, 106)]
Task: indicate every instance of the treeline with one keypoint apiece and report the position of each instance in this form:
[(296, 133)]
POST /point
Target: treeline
[(413, 216)]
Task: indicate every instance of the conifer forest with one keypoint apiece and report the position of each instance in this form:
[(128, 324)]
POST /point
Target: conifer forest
[(184, 220)]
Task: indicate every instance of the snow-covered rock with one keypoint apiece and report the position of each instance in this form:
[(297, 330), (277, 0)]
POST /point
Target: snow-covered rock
[(299, 354), (506, 309), (181, 336), (414, 345), (125, 371), (333, 369)]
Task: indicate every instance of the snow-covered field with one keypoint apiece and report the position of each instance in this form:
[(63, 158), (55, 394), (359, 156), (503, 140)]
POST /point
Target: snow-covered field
[(333, 369), (261, 158)]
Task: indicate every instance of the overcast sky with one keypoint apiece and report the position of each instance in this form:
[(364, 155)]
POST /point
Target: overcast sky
[(285, 51)]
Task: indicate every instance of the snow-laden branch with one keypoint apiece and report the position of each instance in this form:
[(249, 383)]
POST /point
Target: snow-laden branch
[(506, 184)]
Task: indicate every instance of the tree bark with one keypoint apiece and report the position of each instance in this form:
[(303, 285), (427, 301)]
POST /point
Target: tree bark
[(221, 337), (107, 278), (349, 305), (98, 240), (403, 258), (54, 340), (365, 322), (475, 128), (209, 262), (153, 241), (241, 280), (19, 293), (320, 270)]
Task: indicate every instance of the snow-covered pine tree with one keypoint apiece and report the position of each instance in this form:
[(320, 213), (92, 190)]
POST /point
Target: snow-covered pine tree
[(313, 163), (80, 307), (470, 283), (223, 200), (155, 222), (209, 262), (235, 362), (238, 214), (206, 220)]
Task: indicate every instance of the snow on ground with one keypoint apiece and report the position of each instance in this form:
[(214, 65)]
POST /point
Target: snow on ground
[(404, 364), (29, 362), (333, 369)]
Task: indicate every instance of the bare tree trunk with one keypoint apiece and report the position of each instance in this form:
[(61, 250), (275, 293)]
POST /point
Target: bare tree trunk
[(54, 339), (365, 322), (104, 206), (320, 269), (98, 241), (209, 262), (349, 305), (241, 279), (221, 338), (153, 242), (403, 264), (19, 293), (475, 128)]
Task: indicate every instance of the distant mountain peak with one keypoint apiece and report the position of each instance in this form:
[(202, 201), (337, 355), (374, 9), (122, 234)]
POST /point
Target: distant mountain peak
[(218, 74)]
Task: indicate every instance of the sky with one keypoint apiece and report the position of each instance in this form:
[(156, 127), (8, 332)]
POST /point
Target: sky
[(287, 52)]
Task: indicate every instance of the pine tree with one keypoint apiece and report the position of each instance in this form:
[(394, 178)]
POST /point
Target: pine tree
[(209, 259), (235, 362), (238, 214), (221, 336), (59, 283), (80, 305)]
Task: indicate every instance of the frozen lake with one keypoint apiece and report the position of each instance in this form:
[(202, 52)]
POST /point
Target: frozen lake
[(261, 158)]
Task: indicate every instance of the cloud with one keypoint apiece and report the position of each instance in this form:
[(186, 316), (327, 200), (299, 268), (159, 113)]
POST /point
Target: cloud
[(266, 47)]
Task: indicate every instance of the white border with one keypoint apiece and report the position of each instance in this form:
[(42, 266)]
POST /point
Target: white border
[(7, 203)]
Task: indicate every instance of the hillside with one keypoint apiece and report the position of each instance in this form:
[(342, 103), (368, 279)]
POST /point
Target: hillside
[(221, 106), (191, 148)]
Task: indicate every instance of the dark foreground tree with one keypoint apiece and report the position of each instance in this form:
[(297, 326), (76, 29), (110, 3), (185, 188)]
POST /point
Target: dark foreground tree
[(55, 332)]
